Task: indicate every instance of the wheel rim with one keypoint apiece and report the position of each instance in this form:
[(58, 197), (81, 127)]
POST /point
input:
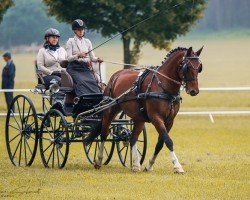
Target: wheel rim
[(54, 140), (21, 131), (93, 148), (124, 149)]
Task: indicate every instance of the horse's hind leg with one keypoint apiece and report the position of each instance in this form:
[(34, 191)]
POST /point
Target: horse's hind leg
[(137, 129), (108, 116)]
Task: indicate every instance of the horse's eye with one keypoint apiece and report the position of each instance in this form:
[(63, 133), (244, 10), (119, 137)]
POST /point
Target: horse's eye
[(200, 68)]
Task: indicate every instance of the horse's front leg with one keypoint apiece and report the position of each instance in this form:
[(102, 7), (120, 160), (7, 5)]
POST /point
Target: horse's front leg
[(169, 143), (137, 129)]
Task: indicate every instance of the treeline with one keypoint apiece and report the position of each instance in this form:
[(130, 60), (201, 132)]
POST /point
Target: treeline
[(25, 22), (226, 15)]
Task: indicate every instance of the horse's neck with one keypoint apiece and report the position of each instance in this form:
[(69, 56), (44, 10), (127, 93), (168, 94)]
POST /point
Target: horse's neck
[(170, 68)]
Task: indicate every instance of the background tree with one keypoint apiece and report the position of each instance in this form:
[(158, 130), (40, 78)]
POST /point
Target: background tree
[(110, 17), (25, 23), (4, 5)]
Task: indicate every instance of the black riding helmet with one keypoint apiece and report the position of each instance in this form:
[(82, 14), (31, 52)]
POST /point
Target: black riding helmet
[(78, 24), (51, 32)]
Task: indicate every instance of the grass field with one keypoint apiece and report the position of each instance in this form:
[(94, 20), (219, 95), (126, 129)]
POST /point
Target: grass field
[(216, 156)]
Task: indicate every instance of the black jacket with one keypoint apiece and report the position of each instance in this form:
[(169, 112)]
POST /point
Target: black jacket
[(8, 75)]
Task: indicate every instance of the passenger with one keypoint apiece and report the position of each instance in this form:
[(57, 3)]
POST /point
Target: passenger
[(49, 57), (80, 56)]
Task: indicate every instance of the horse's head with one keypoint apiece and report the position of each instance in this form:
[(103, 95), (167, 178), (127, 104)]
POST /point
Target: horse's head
[(189, 69)]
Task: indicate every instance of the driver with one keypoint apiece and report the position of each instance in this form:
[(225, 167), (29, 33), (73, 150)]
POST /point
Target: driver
[(49, 57), (80, 56)]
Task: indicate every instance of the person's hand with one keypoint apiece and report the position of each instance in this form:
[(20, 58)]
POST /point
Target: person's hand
[(82, 55), (99, 60), (56, 73)]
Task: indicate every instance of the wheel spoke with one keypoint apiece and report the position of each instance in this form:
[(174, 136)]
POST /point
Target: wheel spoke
[(50, 155), (14, 127), (47, 147), (20, 153), (14, 137), (49, 132), (28, 115), (89, 147), (16, 120), (55, 123), (23, 108), (30, 125), (25, 154), (121, 149), (139, 152), (29, 147), (61, 153), (19, 111), (106, 151), (95, 150), (53, 157), (58, 160), (125, 155), (16, 148)]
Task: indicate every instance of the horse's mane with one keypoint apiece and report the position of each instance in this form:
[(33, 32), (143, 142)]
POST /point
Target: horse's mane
[(174, 51)]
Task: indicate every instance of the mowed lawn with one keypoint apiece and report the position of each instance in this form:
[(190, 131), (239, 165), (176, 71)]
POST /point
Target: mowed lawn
[(215, 156)]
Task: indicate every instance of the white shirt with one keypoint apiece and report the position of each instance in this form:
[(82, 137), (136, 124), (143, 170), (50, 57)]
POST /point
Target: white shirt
[(76, 45)]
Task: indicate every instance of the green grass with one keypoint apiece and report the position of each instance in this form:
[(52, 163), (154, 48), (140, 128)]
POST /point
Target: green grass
[(216, 156)]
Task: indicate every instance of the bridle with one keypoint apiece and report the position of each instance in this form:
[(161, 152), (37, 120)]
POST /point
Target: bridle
[(184, 66), (183, 70)]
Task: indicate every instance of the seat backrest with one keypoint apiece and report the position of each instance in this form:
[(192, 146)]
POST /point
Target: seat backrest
[(66, 80), (39, 75)]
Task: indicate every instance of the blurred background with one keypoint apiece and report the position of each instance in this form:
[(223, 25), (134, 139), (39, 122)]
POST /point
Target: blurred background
[(222, 26)]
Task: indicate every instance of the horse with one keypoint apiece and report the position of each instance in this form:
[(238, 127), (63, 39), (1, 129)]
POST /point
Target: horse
[(159, 102)]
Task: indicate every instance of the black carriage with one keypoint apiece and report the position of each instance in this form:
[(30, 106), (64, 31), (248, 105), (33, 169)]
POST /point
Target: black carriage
[(65, 119)]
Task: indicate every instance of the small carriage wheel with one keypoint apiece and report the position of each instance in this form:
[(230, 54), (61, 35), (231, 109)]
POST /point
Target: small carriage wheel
[(124, 149), (54, 140), (92, 149), (21, 131)]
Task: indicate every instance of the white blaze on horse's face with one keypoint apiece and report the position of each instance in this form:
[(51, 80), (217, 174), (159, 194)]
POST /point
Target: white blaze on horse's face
[(191, 70)]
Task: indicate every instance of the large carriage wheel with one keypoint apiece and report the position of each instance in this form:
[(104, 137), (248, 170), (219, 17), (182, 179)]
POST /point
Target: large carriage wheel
[(54, 139), (123, 147), (21, 131), (93, 148)]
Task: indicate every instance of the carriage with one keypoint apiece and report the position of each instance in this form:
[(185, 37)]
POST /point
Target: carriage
[(64, 120)]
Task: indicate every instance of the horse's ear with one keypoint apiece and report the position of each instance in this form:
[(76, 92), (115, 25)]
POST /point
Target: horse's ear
[(199, 51), (189, 51)]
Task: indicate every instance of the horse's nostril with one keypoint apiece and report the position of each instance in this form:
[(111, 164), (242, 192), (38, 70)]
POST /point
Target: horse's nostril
[(193, 92)]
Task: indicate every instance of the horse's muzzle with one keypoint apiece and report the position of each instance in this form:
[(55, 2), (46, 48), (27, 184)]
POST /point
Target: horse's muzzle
[(194, 92)]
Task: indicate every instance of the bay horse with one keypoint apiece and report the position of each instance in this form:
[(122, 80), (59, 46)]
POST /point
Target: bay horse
[(160, 90)]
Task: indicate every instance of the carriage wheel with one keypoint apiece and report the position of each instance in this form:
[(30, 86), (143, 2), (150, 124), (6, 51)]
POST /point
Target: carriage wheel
[(54, 140), (21, 131), (123, 147), (92, 149)]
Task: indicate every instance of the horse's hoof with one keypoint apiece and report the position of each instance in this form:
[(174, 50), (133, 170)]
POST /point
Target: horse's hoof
[(96, 166), (136, 169), (179, 170), (148, 170)]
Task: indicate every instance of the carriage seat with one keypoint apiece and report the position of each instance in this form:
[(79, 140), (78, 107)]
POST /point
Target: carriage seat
[(66, 80), (87, 102)]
